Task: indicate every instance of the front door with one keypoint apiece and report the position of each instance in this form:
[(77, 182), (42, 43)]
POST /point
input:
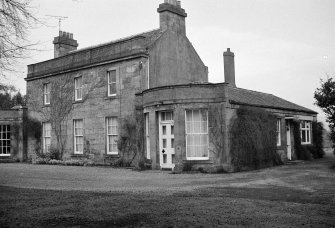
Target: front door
[(166, 140), (288, 140)]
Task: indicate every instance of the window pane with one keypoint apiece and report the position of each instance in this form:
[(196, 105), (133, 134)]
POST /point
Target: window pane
[(168, 116), (172, 129), (164, 130), (112, 76), (307, 138), (196, 115), (164, 143), (303, 136), (172, 143), (203, 114), (189, 128), (196, 126), (188, 115)]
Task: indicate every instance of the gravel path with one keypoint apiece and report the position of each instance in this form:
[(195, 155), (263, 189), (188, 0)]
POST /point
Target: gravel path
[(307, 176)]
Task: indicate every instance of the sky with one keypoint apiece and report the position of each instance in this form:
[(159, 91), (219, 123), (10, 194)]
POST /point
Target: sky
[(282, 47)]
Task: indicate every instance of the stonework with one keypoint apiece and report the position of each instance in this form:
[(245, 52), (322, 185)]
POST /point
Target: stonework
[(160, 74)]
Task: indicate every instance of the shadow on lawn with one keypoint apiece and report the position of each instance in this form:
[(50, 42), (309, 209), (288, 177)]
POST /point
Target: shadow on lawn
[(124, 221)]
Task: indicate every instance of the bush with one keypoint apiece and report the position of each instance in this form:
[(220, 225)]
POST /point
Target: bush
[(317, 135), (122, 162), (55, 162), (73, 162), (143, 164), (40, 161), (54, 154), (187, 166), (308, 152), (32, 127), (253, 139)]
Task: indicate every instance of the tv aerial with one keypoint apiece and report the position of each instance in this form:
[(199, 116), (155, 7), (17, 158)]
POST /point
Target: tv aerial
[(59, 18)]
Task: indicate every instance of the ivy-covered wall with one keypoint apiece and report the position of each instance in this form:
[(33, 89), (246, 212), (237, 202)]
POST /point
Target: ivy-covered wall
[(310, 151), (253, 139)]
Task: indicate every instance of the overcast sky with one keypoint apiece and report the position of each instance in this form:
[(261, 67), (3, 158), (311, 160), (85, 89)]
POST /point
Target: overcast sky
[(282, 47)]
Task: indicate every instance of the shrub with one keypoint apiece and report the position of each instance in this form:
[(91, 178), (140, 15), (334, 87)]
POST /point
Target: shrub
[(89, 163), (143, 164), (73, 162), (317, 136), (32, 127), (54, 154), (308, 152), (253, 139), (187, 166), (40, 161), (55, 162), (122, 162)]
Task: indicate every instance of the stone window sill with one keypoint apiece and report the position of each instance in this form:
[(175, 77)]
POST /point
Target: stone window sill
[(77, 102)]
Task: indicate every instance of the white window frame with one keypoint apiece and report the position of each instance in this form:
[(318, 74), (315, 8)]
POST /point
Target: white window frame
[(192, 133), (46, 136), (77, 136), (147, 135), (4, 129), (46, 93), (78, 88), (112, 123), (305, 128), (278, 132), (110, 83)]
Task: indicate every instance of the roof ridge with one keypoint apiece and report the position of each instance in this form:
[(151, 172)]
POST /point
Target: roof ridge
[(279, 102), (115, 41), (255, 91)]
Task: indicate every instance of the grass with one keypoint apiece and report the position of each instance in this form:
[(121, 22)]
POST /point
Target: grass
[(273, 206), (286, 196)]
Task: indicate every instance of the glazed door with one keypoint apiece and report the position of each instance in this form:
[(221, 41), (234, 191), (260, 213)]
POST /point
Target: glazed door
[(166, 140)]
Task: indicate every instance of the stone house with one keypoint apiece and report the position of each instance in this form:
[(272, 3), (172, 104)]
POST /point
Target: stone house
[(89, 92)]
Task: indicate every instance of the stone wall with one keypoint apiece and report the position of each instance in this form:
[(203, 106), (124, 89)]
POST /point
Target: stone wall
[(95, 106), (174, 61)]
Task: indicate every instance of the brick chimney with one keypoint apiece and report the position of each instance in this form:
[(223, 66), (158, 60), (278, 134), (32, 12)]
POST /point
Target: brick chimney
[(229, 67), (172, 16), (64, 43)]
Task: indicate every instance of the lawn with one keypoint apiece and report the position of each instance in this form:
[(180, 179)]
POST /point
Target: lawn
[(286, 196)]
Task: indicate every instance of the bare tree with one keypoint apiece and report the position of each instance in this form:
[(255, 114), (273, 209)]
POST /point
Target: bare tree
[(16, 19), (61, 105)]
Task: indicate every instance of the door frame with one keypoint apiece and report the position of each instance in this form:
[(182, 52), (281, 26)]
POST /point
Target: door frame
[(288, 139), (169, 164)]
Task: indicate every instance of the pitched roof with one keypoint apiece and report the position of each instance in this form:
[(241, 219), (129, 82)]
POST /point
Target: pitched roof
[(127, 46), (149, 36), (249, 97)]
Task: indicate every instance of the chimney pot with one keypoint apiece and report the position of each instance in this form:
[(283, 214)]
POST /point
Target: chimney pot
[(229, 67), (64, 43), (172, 16)]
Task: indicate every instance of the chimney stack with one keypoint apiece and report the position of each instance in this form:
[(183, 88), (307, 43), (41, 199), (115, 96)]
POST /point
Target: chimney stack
[(229, 67), (64, 43), (172, 16)]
